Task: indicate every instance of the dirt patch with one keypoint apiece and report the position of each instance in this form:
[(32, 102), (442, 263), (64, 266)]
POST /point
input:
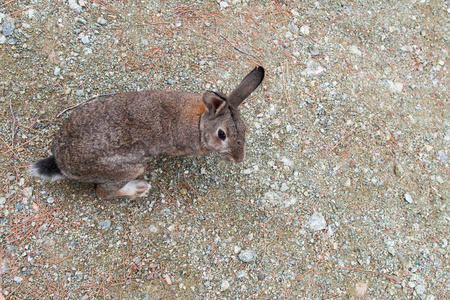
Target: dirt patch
[(345, 189)]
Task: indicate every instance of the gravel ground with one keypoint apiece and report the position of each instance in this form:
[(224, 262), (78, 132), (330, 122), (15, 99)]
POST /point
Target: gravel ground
[(345, 190)]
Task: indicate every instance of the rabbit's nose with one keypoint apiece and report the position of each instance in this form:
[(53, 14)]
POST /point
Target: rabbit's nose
[(240, 157)]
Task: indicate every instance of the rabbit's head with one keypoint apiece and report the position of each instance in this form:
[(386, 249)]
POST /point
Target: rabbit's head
[(222, 126)]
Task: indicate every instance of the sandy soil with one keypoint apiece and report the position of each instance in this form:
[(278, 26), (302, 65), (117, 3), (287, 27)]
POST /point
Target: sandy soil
[(345, 189)]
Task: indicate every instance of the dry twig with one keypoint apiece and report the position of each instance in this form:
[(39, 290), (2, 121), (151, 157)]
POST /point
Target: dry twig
[(236, 48)]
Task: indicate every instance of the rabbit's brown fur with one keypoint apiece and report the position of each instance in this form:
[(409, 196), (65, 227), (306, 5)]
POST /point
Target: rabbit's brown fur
[(109, 139)]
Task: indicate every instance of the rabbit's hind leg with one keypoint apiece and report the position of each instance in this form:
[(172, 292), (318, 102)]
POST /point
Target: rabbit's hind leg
[(132, 190)]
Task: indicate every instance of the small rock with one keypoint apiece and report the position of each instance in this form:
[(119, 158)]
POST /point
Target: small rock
[(420, 289), (31, 13), (287, 161), (439, 179), (391, 250), (2, 200), (2, 39), (293, 28), (74, 5), (261, 275), (407, 48), (348, 182), (8, 26), (353, 49), (316, 222), (360, 289), (241, 274), (12, 41), (225, 285), (314, 50), (57, 71), (284, 187), (398, 169), (167, 279), (313, 67), (17, 279), (79, 93), (105, 224), (101, 21), (223, 5), (247, 256), (330, 231), (395, 87), (81, 20), (85, 39), (87, 51), (290, 202), (247, 171), (408, 198), (153, 228), (442, 156), (304, 29), (50, 200)]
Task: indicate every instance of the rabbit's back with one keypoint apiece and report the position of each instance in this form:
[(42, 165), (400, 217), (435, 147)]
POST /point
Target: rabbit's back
[(128, 128)]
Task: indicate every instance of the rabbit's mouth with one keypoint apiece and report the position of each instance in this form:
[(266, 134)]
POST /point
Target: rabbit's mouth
[(233, 158)]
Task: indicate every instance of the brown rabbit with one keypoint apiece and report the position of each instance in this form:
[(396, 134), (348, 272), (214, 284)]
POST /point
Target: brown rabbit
[(109, 139)]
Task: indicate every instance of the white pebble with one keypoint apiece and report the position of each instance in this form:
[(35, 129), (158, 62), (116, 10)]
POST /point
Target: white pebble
[(225, 285), (316, 222), (395, 87), (355, 50), (223, 5), (284, 187), (101, 21), (420, 289), (304, 29), (247, 256), (313, 67), (87, 51), (153, 228), (31, 13), (408, 198), (57, 71), (290, 202), (85, 39), (74, 5)]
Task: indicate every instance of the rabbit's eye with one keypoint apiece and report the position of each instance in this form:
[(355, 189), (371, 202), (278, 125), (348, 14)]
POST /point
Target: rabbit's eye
[(221, 135)]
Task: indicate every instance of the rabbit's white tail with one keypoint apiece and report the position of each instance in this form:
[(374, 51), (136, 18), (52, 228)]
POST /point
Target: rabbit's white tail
[(46, 169)]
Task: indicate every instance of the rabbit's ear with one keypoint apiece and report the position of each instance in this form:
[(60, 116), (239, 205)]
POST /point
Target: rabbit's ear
[(214, 103), (246, 87)]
